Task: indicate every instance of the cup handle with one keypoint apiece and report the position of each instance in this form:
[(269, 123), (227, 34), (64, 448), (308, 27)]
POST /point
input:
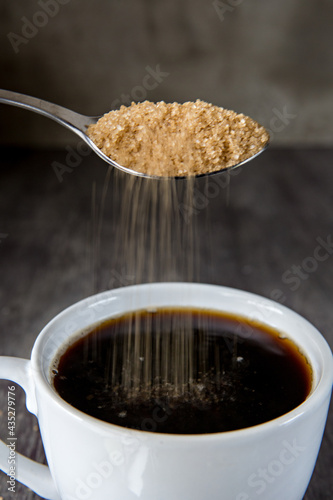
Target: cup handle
[(34, 475)]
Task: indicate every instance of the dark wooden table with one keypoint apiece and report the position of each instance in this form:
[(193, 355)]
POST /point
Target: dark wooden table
[(259, 234)]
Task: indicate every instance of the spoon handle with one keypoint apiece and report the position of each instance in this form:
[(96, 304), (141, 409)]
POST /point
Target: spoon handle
[(70, 119)]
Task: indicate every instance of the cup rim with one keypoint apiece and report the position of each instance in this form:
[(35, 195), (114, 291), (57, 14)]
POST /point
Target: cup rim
[(322, 389)]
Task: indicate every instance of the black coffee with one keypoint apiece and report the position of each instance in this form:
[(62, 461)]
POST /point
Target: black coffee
[(182, 371)]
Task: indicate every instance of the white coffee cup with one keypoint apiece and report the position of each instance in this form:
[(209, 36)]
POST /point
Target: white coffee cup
[(92, 460)]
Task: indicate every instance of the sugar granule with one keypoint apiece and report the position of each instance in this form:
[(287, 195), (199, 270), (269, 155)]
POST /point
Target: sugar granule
[(176, 140)]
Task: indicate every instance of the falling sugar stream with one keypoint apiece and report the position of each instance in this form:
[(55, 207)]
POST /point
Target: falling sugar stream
[(154, 242)]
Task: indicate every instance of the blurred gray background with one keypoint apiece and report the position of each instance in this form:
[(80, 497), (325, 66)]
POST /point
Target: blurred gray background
[(269, 59)]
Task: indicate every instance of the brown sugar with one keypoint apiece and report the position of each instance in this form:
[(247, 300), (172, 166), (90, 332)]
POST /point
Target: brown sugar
[(176, 140)]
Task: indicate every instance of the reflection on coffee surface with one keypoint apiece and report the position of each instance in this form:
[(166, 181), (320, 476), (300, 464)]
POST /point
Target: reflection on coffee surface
[(182, 371)]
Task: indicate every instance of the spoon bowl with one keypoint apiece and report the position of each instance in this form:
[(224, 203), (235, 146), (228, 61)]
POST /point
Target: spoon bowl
[(79, 124)]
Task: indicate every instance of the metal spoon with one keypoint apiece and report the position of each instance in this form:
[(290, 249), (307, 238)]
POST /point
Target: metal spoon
[(78, 124)]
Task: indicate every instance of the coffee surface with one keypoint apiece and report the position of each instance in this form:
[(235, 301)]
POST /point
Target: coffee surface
[(182, 371)]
